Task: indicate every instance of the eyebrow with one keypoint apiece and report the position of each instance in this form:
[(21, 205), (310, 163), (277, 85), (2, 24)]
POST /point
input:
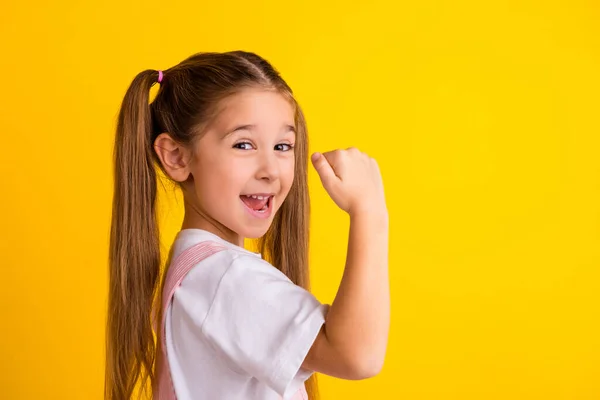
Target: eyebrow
[(250, 127)]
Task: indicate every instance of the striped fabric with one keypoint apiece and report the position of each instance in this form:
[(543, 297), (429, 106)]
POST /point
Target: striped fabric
[(177, 271)]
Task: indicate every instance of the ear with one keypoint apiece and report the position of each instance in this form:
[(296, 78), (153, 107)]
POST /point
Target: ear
[(173, 156)]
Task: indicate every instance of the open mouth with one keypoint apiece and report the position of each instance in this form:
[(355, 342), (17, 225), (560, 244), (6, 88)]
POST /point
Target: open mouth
[(257, 203)]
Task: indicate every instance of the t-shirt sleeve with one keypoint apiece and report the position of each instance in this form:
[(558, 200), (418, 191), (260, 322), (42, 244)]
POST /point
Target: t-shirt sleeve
[(263, 323)]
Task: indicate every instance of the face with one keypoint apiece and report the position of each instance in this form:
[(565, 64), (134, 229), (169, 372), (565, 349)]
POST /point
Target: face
[(243, 166)]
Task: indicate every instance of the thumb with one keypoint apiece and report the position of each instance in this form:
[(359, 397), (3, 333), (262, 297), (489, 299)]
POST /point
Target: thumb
[(323, 168)]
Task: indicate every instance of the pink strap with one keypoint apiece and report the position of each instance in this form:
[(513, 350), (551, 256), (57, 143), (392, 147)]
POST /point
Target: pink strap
[(177, 271)]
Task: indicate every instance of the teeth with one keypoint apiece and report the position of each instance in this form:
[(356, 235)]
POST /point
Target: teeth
[(258, 197)]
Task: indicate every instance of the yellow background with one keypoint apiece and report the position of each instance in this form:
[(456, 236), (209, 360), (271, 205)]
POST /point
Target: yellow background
[(483, 116)]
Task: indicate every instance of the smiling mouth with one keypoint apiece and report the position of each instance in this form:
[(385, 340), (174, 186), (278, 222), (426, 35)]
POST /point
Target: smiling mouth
[(259, 203)]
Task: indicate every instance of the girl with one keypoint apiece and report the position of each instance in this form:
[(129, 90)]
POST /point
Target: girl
[(230, 323)]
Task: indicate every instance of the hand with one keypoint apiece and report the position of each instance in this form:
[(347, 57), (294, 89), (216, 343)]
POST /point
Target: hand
[(352, 179)]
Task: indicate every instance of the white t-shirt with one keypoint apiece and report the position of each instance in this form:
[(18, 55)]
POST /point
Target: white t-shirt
[(237, 327)]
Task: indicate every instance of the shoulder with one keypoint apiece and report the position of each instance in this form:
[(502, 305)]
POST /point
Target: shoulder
[(230, 268), (212, 267), (251, 273), (201, 283)]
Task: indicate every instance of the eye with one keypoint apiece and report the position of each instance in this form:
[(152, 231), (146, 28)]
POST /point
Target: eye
[(289, 147), (237, 146)]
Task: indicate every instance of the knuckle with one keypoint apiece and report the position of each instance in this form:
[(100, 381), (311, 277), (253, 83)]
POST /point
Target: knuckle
[(337, 154), (328, 155)]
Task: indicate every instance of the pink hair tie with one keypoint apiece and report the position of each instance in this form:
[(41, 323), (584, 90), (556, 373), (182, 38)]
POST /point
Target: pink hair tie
[(160, 76)]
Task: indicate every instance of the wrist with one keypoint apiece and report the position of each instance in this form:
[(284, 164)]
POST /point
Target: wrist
[(373, 214)]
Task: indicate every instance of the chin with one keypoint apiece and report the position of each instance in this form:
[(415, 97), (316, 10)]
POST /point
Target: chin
[(257, 232)]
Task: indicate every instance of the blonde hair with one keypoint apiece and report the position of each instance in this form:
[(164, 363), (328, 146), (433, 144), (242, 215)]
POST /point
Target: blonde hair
[(185, 101)]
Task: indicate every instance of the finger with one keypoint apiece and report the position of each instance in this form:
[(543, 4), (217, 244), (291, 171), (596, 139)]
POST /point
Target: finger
[(323, 167)]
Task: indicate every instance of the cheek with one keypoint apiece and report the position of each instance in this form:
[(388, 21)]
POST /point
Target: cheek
[(223, 178), (208, 179)]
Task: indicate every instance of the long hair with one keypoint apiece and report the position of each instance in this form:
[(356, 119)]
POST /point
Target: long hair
[(186, 100)]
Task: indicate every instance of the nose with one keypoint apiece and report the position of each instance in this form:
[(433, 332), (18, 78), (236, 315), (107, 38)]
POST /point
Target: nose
[(268, 167)]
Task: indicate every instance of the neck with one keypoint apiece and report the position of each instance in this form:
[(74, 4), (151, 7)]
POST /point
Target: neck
[(197, 220)]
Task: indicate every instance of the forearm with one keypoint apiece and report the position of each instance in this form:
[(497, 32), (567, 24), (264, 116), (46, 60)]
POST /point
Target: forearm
[(358, 321)]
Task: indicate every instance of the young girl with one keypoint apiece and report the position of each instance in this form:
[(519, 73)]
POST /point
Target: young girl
[(230, 323)]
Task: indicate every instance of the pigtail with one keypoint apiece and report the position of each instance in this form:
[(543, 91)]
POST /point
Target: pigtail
[(286, 243), (134, 256)]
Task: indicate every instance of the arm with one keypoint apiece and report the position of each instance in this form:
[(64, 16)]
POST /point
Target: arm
[(353, 340)]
